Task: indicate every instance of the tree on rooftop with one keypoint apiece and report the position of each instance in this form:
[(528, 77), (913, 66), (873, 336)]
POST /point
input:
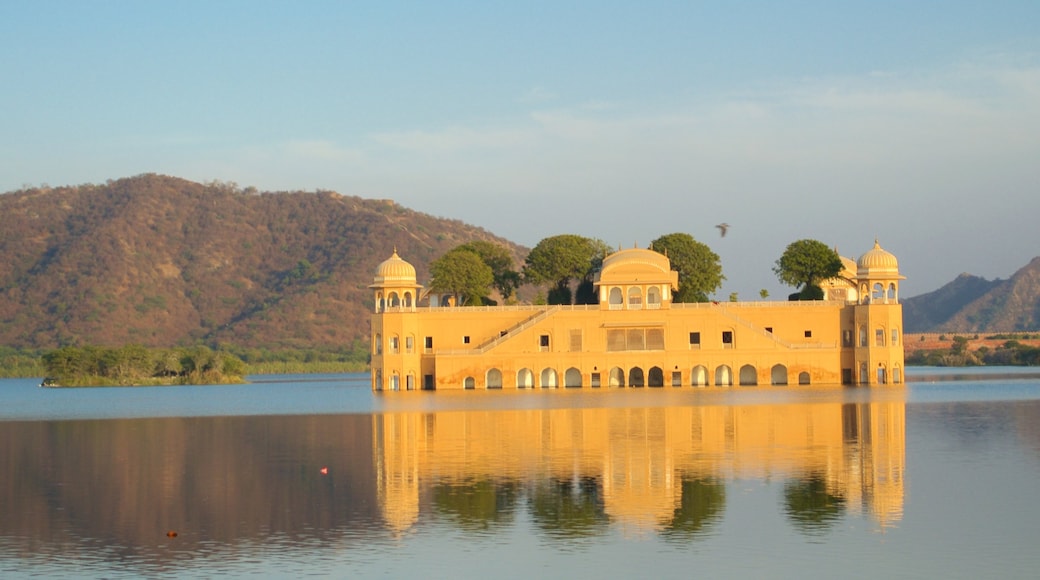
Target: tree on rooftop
[(463, 274), (806, 263), (560, 260), (505, 279), (700, 272)]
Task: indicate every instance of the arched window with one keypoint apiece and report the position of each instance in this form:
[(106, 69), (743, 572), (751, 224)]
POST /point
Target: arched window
[(469, 383), (548, 378), (882, 375), (723, 376), (748, 375), (409, 382), (892, 292), (616, 299), (863, 379), (395, 382), (572, 378), (699, 376), (897, 376), (394, 300), (493, 379), (378, 341), (395, 345), (635, 298), (778, 375), (635, 377), (380, 302), (377, 379), (524, 379), (878, 294), (655, 377), (653, 297), (408, 299), (616, 377), (803, 378)]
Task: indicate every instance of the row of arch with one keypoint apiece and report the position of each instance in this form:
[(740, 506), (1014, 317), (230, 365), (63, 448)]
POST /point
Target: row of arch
[(879, 293), (634, 298), (394, 299), (655, 376)]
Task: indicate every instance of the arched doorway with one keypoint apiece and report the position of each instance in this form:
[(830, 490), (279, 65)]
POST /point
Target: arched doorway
[(655, 377), (723, 376), (572, 378), (548, 378), (616, 377), (524, 379), (494, 379), (778, 375), (748, 376), (635, 377), (803, 378), (699, 376)]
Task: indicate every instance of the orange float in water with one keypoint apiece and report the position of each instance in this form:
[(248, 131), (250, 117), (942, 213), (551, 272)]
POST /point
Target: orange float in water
[(171, 534), (324, 470)]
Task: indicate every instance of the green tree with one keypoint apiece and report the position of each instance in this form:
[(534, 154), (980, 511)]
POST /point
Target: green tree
[(560, 260), (497, 257), (700, 272), (701, 505), (810, 506), (463, 274), (806, 263)]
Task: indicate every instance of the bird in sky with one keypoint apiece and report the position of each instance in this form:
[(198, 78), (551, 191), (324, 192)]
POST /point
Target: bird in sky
[(722, 229)]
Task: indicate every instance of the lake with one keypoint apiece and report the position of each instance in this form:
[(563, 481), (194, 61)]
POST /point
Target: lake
[(316, 475)]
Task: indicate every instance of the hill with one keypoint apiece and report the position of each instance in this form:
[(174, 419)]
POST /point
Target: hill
[(973, 304), (163, 261)]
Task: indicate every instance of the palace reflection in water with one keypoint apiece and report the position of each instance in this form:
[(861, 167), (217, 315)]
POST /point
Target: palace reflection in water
[(661, 470), (109, 491)]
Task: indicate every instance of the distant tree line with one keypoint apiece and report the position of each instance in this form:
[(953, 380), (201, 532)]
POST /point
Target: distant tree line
[(137, 365), (1011, 353)]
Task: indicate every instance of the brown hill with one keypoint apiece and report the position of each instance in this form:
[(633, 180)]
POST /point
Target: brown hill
[(973, 304), (163, 261)]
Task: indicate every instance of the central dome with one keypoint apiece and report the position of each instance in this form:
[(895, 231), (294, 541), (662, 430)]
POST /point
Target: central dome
[(637, 265)]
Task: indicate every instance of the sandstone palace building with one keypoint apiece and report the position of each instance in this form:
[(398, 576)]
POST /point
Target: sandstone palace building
[(637, 337)]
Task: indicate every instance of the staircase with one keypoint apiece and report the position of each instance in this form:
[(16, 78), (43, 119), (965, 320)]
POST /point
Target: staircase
[(513, 330)]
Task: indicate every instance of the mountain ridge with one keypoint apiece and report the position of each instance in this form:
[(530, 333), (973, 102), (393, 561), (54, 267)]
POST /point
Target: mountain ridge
[(164, 261)]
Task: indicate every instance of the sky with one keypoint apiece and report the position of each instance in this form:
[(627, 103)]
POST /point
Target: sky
[(916, 123)]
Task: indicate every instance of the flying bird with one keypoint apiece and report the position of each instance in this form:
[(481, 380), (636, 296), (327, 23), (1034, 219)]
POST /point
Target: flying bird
[(722, 229)]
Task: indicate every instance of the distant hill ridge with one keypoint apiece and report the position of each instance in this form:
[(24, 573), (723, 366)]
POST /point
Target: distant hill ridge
[(973, 304), (163, 261)]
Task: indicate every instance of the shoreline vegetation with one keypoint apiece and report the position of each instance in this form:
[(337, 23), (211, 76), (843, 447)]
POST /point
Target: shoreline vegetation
[(29, 363), (922, 349), (134, 365)]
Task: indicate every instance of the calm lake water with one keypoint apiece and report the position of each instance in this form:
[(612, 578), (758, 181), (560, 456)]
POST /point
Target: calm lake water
[(316, 475)]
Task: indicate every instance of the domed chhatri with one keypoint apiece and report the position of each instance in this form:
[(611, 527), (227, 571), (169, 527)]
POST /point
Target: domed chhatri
[(636, 336), (394, 269), (877, 261)]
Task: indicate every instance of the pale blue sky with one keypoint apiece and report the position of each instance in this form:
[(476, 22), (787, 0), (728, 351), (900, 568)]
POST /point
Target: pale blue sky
[(914, 122)]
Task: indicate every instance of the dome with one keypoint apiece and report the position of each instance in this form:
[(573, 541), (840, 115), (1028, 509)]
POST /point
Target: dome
[(637, 256), (394, 271), (637, 265), (877, 261)]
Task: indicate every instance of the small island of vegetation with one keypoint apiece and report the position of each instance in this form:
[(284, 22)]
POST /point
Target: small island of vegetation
[(136, 365)]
